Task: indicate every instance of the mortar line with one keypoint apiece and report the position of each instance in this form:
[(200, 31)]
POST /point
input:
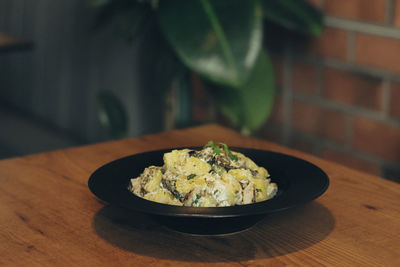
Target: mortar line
[(348, 109), (363, 27), (340, 148), (350, 46), (385, 101), (349, 131), (350, 66), (320, 78), (389, 12)]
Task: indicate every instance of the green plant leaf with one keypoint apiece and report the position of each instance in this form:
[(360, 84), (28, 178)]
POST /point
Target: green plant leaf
[(295, 15), (220, 40), (251, 106), (111, 114)]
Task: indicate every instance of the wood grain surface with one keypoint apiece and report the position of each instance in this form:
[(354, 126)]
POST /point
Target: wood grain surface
[(48, 216)]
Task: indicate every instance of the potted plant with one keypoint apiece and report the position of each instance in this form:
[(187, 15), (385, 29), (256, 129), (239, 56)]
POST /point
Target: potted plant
[(220, 40)]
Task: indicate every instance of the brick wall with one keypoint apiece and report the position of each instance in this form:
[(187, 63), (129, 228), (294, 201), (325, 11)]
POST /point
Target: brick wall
[(339, 95)]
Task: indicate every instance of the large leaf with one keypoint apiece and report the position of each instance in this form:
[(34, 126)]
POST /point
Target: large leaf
[(295, 15), (251, 106), (112, 114), (220, 40)]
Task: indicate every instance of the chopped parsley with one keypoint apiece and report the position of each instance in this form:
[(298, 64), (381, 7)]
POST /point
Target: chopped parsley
[(197, 199), (177, 195), (217, 150), (228, 152), (209, 144), (191, 176), (162, 171), (215, 147), (258, 190)]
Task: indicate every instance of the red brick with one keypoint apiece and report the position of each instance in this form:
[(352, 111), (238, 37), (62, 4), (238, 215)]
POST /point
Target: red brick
[(200, 98), (396, 20), (367, 10), (353, 89), (332, 44), (277, 62), (350, 161), (200, 113), (304, 77), (224, 121), (319, 121), (199, 91), (276, 113), (395, 100), (377, 138), (302, 145), (271, 132), (379, 52)]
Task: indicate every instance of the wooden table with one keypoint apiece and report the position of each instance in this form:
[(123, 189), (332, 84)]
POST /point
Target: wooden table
[(48, 216)]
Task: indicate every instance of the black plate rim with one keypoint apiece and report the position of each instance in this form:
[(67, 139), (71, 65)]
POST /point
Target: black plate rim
[(132, 202)]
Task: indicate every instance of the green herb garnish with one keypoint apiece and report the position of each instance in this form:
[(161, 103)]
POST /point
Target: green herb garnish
[(191, 176), (228, 152), (197, 199), (226, 149), (215, 147), (217, 150), (162, 171), (233, 157), (177, 195), (209, 144), (258, 190)]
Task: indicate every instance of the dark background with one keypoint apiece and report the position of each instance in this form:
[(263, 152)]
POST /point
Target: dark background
[(338, 96)]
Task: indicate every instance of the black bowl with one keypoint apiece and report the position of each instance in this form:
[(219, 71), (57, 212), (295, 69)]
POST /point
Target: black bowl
[(298, 182)]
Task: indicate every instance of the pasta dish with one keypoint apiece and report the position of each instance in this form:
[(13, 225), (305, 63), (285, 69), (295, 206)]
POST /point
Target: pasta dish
[(214, 176)]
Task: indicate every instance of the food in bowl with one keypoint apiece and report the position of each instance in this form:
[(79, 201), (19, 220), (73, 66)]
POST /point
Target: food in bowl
[(214, 176)]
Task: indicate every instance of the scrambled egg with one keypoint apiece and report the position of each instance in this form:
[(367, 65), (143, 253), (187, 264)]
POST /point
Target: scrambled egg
[(211, 177)]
